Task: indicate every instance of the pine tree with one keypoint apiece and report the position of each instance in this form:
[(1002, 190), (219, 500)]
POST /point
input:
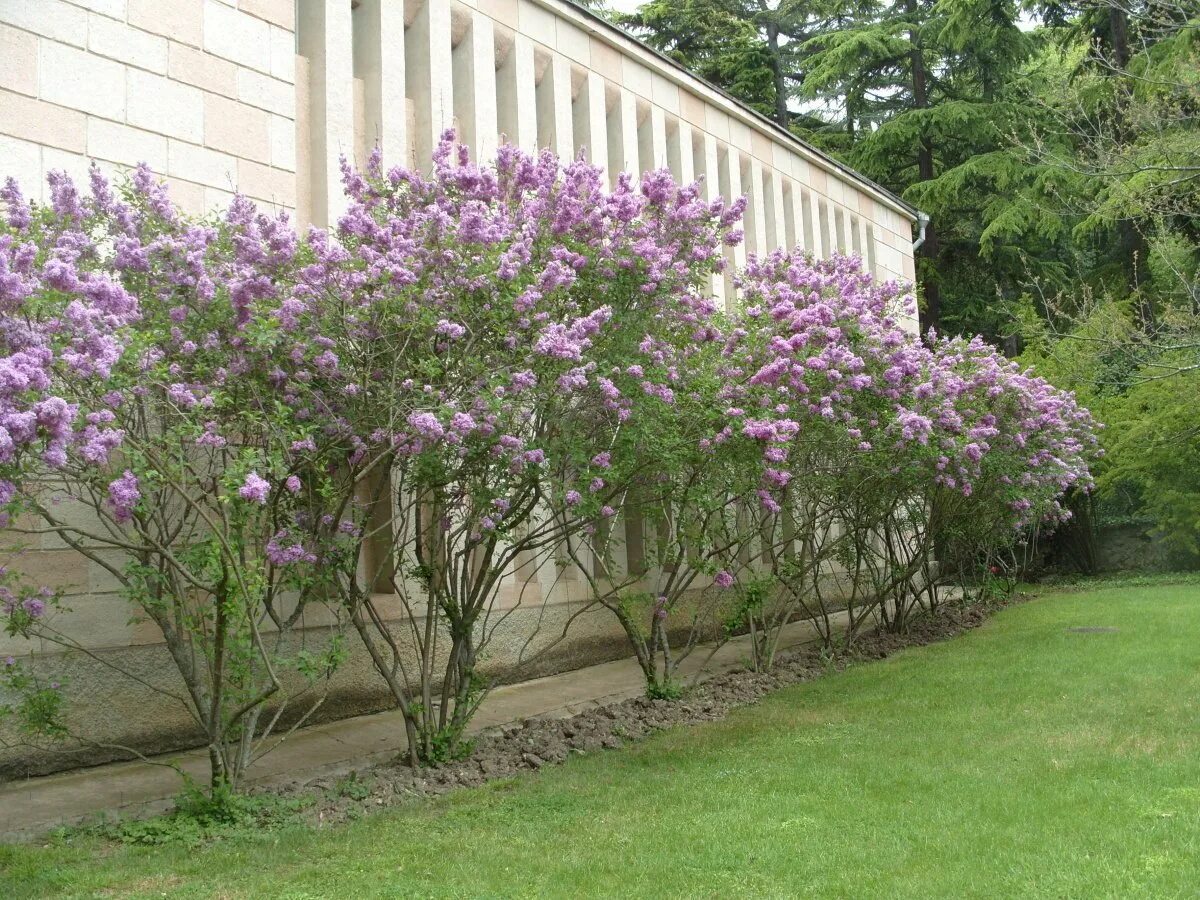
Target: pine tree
[(752, 48), (930, 84)]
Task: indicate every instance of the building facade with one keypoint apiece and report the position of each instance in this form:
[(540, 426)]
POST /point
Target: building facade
[(263, 97)]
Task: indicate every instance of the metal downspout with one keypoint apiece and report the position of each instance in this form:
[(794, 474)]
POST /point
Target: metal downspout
[(922, 221)]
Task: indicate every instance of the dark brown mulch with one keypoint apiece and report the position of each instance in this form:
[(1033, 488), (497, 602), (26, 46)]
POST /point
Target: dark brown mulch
[(538, 742)]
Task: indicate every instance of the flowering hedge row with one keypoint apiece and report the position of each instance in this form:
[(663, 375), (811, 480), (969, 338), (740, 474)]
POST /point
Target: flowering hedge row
[(480, 369)]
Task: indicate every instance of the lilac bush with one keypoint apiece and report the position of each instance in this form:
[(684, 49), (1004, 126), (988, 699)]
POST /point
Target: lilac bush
[(885, 452), (142, 424), (806, 365), (693, 500), (509, 327)]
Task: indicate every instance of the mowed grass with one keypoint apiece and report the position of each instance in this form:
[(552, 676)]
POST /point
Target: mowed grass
[(1020, 760)]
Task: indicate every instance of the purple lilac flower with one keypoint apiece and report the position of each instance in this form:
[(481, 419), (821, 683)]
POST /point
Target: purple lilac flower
[(255, 489)]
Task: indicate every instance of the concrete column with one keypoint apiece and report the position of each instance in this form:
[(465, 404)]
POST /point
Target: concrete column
[(756, 225), (733, 164), (554, 108), (379, 62), (658, 139), (591, 120), (327, 40), (711, 162), (776, 216), (517, 95), (303, 140), (732, 190), (872, 254), (475, 89), (712, 190), (813, 228), (431, 78), (630, 161), (864, 243), (819, 228), (793, 219), (680, 153), (688, 143)]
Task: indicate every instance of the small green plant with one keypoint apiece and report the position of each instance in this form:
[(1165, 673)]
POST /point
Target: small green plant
[(352, 787), (447, 745), (829, 659), (201, 817), (36, 705), (664, 690), (998, 583)]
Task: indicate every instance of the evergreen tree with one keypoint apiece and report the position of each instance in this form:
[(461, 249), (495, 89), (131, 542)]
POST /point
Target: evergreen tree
[(755, 49), (932, 86)]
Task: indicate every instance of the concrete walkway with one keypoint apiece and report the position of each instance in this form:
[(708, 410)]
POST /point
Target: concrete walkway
[(129, 789)]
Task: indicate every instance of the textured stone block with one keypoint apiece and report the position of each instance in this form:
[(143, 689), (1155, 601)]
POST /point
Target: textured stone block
[(202, 70), (81, 80), (537, 23), (76, 165), (50, 18), (169, 107), (122, 144), (41, 122), (716, 123), (17, 646), (18, 61), (504, 11), (236, 128), (179, 20), (637, 78), (70, 513), (237, 36), (605, 59), (201, 165), (266, 92), (572, 42), (144, 631), (115, 9), (819, 180), (740, 134), (103, 575), (665, 93), (215, 198), (282, 132), (275, 186), (96, 621), (691, 109), (62, 570), (107, 37), (22, 161), (277, 12), (188, 195), (283, 54)]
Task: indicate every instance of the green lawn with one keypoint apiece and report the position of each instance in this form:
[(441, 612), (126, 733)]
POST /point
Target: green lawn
[(1018, 760)]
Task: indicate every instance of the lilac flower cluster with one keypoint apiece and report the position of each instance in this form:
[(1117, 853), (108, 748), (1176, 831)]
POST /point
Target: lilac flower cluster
[(506, 301), (819, 355)]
